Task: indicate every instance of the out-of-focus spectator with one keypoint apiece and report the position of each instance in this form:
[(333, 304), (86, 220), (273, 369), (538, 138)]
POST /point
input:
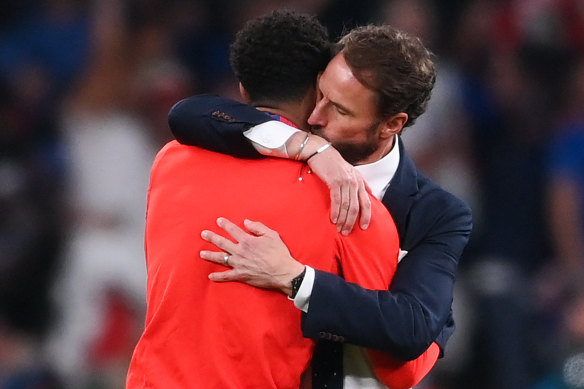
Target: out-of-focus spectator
[(507, 103), (37, 40), (560, 287), (444, 125), (34, 72), (111, 124), (565, 183)]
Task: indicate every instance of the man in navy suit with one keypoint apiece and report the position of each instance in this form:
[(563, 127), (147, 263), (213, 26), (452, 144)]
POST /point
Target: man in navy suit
[(377, 84)]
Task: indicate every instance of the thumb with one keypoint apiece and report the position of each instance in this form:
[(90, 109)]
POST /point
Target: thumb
[(256, 228)]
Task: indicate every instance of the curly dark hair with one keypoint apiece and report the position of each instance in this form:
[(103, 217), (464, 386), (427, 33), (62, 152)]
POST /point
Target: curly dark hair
[(395, 65), (278, 56)]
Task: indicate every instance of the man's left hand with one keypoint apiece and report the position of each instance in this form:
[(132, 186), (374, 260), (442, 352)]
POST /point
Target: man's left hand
[(349, 190), (258, 258)]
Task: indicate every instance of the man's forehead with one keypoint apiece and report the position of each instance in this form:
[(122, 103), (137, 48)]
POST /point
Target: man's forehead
[(340, 84), (338, 64)]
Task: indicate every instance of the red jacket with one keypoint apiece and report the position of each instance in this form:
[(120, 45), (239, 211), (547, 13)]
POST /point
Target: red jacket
[(201, 334)]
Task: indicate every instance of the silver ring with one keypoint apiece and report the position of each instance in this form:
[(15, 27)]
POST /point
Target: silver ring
[(226, 259)]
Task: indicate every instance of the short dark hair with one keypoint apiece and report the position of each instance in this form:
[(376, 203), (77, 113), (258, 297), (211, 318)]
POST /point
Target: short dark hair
[(395, 65), (278, 56)]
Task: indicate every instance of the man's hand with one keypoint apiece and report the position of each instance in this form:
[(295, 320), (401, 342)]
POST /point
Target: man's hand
[(348, 189), (259, 259)]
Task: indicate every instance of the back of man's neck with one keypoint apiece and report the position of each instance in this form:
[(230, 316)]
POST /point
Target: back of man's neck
[(289, 111)]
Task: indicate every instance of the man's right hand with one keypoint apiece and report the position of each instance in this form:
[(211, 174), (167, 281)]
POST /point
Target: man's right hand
[(258, 258)]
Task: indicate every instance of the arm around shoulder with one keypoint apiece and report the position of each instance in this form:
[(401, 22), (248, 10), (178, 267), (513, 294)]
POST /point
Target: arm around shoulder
[(215, 123), (406, 319)]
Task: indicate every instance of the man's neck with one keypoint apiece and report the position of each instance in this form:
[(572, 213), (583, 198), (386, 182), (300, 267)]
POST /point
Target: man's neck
[(287, 112)]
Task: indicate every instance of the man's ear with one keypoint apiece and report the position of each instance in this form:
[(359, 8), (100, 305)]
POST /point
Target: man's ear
[(244, 94), (393, 125)]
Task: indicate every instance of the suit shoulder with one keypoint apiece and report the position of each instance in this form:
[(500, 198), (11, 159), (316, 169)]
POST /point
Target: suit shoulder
[(435, 203), (432, 192)]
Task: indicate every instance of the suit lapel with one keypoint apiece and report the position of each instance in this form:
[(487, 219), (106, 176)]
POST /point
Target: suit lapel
[(401, 192)]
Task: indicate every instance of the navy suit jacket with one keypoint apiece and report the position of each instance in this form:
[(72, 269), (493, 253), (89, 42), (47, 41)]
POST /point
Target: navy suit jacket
[(434, 227)]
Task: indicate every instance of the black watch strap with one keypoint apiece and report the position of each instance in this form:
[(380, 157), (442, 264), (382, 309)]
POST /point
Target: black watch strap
[(296, 282)]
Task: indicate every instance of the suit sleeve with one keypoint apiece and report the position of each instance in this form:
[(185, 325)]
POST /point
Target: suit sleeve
[(216, 124), (406, 319)]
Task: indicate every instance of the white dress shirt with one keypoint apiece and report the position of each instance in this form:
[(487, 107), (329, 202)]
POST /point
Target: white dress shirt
[(273, 135)]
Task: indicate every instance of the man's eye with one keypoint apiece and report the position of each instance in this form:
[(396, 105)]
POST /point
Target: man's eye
[(341, 111)]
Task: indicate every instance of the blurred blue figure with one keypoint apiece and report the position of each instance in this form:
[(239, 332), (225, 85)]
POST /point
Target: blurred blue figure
[(561, 287), (36, 68)]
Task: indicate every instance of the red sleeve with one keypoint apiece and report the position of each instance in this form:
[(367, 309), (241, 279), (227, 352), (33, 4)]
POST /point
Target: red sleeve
[(397, 374), (369, 258)]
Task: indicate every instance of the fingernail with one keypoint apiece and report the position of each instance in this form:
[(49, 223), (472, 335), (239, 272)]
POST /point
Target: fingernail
[(365, 226), (346, 232), (204, 254), (204, 234), (219, 221)]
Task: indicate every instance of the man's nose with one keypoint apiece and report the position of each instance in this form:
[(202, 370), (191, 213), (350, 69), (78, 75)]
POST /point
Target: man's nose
[(316, 118)]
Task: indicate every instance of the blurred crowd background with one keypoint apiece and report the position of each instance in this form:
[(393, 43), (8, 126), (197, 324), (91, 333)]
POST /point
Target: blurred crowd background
[(85, 86)]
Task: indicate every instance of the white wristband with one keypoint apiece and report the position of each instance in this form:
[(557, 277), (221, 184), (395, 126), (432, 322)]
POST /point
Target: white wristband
[(320, 150)]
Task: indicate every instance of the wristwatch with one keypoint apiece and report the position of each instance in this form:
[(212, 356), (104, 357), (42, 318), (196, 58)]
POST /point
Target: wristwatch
[(296, 282)]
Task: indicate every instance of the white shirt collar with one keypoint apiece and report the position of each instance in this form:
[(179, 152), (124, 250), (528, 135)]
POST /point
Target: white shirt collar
[(378, 174)]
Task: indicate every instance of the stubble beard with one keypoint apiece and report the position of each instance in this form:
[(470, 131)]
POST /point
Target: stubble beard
[(352, 152)]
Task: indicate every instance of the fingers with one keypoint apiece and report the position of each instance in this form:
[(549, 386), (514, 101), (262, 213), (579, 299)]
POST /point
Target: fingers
[(352, 210), (217, 257), (349, 200), (366, 185), (232, 229), (364, 206), (344, 207), (256, 228), (225, 276), (219, 241), (345, 204), (335, 203), (340, 202)]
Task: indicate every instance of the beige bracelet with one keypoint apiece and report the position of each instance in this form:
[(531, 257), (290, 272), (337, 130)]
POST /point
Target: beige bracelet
[(320, 150), (297, 157)]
